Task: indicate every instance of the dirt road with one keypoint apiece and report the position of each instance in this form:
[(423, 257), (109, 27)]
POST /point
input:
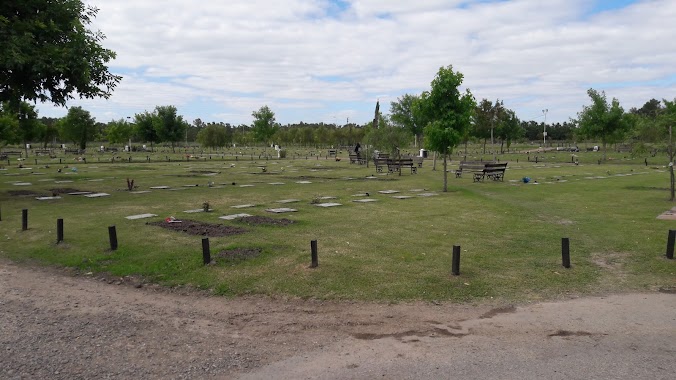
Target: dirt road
[(58, 326)]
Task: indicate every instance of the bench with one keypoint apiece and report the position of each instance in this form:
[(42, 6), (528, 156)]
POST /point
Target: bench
[(74, 151), (495, 171), (396, 164), (418, 161), (356, 159), (469, 166), (332, 152), (380, 164)]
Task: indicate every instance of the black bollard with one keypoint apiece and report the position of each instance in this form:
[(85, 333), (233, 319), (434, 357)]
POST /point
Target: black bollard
[(36, 161), (456, 261), (24, 219), (59, 231), (313, 254), (565, 252), (112, 236), (670, 244), (206, 253)]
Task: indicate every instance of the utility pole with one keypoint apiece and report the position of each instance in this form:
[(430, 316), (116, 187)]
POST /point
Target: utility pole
[(544, 130)]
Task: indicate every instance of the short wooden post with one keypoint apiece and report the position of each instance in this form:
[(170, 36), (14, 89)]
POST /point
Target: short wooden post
[(456, 260), (59, 231), (206, 253), (112, 236), (313, 254), (670, 244), (565, 252), (24, 219)]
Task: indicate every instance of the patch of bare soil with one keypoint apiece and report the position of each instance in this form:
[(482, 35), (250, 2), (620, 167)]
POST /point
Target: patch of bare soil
[(194, 227), (65, 190), (264, 220), (239, 253), (23, 193)]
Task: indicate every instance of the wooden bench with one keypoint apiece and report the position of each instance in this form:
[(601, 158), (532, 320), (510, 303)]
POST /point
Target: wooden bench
[(356, 159), (418, 161), (74, 151), (469, 166), (333, 152), (495, 171), (380, 164), (396, 164)]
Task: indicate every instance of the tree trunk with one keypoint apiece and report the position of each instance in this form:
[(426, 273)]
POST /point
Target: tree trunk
[(25, 147), (445, 175), (604, 150), (434, 162), (484, 145), (173, 149)]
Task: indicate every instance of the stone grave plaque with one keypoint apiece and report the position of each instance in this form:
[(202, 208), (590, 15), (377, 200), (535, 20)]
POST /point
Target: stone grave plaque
[(159, 187), (303, 182), (328, 204), (369, 200), (22, 183), (288, 201), (97, 195), (427, 194), (140, 216), (243, 206), (140, 192), (388, 191), (402, 197), (194, 211), (234, 216), (46, 198), (281, 210), (276, 183), (80, 193)]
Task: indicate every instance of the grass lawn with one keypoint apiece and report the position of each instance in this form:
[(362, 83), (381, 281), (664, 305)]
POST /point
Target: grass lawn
[(389, 250)]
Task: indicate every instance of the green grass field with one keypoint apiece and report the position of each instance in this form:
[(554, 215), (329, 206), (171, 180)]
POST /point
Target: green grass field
[(390, 250)]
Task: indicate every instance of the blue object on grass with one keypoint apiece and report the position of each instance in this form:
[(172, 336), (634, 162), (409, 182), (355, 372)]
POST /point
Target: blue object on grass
[(525, 179)]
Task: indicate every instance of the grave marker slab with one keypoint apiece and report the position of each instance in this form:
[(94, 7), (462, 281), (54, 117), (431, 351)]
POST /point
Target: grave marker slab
[(276, 183), (360, 195), (140, 216), (281, 210), (326, 198), (63, 181), (246, 185), (303, 182), (288, 201), (97, 195), (328, 204), (427, 194), (159, 187), (80, 193), (402, 197), (388, 191), (243, 206), (22, 184), (140, 192), (365, 200), (46, 198), (194, 211), (234, 216)]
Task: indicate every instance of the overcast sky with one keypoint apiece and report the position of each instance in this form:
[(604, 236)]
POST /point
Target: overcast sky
[(330, 60)]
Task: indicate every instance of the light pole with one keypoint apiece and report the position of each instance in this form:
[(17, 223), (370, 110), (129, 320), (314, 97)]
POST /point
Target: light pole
[(129, 121), (544, 130)]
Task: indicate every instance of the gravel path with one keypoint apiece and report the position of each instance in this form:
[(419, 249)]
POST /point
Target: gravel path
[(56, 325)]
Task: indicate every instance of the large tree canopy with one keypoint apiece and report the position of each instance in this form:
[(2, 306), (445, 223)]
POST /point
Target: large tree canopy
[(78, 126), (402, 115), (264, 125), (48, 52), (603, 120)]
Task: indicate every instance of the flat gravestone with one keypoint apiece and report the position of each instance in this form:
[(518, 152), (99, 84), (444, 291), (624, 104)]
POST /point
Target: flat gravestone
[(140, 192), (97, 195), (180, 189), (427, 194), (26, 168), (159, 187), (329, 204), (191, 185), (38, 173), (402, 197), (276, 183), (303, 182), (281, 210), (365, 200), (80, 193), (243, 206), (416, 190), (67, 181), (95, 180), (246, 185), (22, 183), (194, 211), (46, 198), (234, 216), (289, 201), (361, 195), (327, 198), (140, 216), (388, 191), (371, 177)]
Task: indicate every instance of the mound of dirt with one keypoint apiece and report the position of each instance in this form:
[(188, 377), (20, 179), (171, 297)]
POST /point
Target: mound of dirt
[(23, 193), (264, 220), (194, 227), (65, 190)]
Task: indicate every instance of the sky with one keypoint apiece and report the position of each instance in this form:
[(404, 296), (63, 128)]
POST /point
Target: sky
[(331, 60)]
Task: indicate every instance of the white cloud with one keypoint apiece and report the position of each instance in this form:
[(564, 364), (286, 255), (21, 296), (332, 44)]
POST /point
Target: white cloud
[(309, 59)]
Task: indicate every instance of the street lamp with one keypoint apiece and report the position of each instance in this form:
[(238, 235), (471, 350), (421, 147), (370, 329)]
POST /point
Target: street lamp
[(544, 129)]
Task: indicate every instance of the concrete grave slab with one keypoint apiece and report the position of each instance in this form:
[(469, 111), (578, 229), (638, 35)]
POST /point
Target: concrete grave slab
[(427, 194), (243, 206), (276, 183), (328, 197), (66, 181), (234, 216), (288, 201), (388, 191), (178, 189), (402, 197), (140, 216), (80, 193), (159, 187), (22, 183), (97, 195), (281, 210), (328, 204), (46, 180), (246, 185), (191, 185), (140, 192), (95, 180), (360, 195), (38, 173), (46, 198), (194, 211), (371, 177), (416, 190), (365, 200)]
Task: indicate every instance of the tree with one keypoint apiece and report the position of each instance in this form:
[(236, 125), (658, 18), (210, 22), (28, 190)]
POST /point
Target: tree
[(449, 111), (387, 138), (603, 120), (402, 115), (668, 119), (264, 126), (509, 128), (9, 125), (78, 126), (145, 128), (29, 125), (169, 126), (119, 131), (483, 120), (48, 52), (212, 136)]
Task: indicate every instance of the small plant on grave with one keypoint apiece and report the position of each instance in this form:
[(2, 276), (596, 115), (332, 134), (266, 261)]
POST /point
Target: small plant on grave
[(130, 184), (206, 206), (316, 200)]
